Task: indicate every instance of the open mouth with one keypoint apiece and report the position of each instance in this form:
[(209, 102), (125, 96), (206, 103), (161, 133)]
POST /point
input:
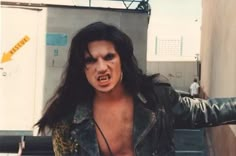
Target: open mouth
[(103, 78)]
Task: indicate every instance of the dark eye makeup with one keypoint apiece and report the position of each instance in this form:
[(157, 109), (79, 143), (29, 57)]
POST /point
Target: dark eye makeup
[(89, 60), (109, 56)]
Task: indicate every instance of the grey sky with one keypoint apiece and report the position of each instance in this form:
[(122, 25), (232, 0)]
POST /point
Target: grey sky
[(173, 18)]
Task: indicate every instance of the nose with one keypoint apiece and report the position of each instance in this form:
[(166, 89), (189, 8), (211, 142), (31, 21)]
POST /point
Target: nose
[(101, 66)]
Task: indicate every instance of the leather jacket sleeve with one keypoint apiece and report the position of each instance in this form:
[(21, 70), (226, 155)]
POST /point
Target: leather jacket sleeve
[(199, 113), (192, 113)]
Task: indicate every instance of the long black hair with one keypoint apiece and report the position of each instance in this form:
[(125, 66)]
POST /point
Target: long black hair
[(74, 87)]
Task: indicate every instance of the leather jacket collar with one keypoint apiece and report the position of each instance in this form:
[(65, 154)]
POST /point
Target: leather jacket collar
[(84, 128)]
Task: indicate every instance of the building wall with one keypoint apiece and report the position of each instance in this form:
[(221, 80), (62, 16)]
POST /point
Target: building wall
[(180, 73), (218, 64)]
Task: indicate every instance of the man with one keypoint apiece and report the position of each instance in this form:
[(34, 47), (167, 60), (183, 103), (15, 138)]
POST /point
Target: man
[(194, 89), (106, 106)]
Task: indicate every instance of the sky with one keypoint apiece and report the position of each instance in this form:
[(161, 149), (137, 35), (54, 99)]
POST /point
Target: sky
[(175, 18), (169, 19)]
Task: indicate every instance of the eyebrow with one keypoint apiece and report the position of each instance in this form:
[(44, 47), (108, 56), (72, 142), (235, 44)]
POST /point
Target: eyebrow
[(88, 52), (90, 55)]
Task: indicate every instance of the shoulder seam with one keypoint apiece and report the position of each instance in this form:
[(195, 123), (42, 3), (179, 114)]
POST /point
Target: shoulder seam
[(160, 79)]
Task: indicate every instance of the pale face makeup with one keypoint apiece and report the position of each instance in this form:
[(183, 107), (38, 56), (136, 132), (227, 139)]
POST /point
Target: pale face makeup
[(103, 66)]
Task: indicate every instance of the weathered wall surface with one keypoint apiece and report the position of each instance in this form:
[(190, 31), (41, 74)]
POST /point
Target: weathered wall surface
[(180, 73), (218, 64)]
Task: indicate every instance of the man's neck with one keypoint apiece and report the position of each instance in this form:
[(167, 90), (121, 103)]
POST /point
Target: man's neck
[(116, 94), (116, 100)]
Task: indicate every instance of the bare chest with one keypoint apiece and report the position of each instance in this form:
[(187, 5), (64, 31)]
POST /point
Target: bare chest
[(114, 132)]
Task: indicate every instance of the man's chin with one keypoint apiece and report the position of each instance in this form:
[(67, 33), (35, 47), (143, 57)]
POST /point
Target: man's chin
[(104, 91)]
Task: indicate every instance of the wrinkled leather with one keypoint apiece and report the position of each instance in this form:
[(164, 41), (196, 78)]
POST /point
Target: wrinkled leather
[(176, 112), (157, 113), (197, 113)]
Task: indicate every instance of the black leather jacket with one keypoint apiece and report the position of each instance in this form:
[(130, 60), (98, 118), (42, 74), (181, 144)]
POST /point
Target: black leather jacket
[(157, 113), (174, 112)]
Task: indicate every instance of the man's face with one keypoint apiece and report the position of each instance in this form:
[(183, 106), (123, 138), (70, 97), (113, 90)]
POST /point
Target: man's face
[(102, 66)]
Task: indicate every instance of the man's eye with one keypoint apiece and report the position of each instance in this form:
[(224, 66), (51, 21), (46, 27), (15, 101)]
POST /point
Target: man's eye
[(89, 60), (109, 57)]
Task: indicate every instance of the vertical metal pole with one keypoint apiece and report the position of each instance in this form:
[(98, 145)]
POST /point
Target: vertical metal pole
[(197, 62)]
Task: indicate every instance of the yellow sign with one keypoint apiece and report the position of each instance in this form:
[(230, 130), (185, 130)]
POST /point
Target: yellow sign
[(7, 56)]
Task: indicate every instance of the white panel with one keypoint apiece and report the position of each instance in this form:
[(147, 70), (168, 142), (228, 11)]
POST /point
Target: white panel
[(17, 77)]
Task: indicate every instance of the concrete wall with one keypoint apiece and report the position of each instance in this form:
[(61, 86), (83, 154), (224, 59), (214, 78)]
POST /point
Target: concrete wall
[(180, 73), (218, 64)]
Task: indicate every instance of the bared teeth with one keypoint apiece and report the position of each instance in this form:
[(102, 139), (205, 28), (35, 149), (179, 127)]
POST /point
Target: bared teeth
[(103, 78)]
